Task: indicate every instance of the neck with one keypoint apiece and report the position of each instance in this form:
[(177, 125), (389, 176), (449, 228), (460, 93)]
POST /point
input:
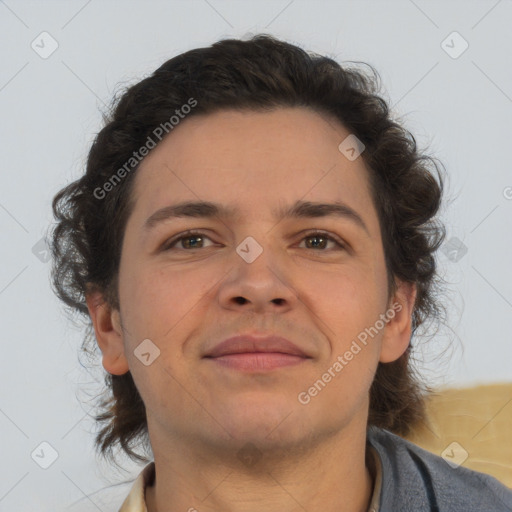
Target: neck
[(329, 476)]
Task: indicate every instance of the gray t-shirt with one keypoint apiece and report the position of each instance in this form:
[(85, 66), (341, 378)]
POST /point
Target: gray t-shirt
[(406, 479), (415, 480)]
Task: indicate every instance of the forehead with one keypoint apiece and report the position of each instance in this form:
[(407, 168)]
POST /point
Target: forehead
[(251, 161)]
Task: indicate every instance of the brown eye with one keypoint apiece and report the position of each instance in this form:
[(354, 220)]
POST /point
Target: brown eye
[(320, 240), (189, 240)]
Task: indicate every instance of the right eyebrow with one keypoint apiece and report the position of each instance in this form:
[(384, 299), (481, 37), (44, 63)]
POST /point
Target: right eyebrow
[(203, 209)]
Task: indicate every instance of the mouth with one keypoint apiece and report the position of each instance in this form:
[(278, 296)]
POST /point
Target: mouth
[(258, 360), (250, 353)]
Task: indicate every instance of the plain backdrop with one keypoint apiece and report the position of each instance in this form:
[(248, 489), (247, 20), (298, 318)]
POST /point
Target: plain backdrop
[(453, 91)]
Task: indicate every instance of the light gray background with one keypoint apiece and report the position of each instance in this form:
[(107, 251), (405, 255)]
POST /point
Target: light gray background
[(50, 111)]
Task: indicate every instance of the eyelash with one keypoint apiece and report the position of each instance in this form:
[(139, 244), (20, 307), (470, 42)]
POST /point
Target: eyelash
[(191, 233)]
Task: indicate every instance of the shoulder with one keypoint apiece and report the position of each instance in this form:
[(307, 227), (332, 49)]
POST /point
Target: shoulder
[(414, 479)]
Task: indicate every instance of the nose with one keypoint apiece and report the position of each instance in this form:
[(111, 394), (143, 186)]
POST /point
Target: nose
[(259, 286)]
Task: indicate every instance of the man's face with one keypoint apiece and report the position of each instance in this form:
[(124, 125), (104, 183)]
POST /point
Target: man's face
[(302, 286)]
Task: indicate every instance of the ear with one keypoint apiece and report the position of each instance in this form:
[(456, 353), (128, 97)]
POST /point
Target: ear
[(397, 334), (107, 327)]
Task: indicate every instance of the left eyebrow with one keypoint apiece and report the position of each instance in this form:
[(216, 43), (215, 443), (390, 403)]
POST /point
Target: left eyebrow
[(209, 209)]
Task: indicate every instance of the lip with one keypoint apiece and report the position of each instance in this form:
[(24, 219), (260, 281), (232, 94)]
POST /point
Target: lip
[(246, 352), (243, 344)]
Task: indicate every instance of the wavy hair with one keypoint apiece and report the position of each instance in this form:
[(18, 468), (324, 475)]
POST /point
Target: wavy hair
[(262, 73)]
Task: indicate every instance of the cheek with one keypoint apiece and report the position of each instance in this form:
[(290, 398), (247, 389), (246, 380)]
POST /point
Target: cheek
[(346, 304), (347, 299), (156, 299), (163, 304)]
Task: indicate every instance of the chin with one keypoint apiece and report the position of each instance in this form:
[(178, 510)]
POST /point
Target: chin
[(264, 422)]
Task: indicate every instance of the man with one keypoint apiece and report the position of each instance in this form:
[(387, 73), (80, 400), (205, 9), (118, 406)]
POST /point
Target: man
[(254, 242)]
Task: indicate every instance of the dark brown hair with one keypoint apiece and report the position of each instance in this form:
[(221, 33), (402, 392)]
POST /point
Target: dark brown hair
[(262, 73)]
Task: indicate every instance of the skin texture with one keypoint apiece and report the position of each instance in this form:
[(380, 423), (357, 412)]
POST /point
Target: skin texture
[(201, 415)]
